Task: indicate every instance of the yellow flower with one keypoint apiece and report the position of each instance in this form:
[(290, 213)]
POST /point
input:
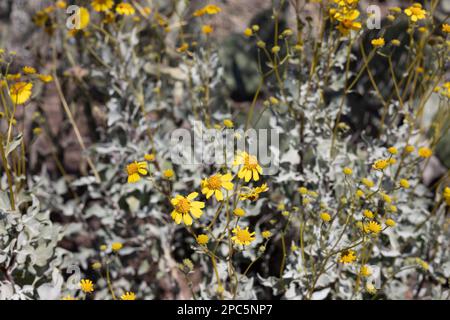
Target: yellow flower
[(266, 234), (390, 223), (325, 216), (184, 46), (209, 9), (393, 150), (425, 152), (415, 12), (135, 170), (261, 44), (409, 149), (202, 239), (214, 184), (61, 4), (86, 286), (207, 29), (250, 166), (386, 197), (253, 194), (150, 157), (239, 212), (29, 70), (446, 28), (102, 5), (103, 247), (373, 227), (359, 193), (13, 76), (116, 246), (45, 78), (125, 9), (96, 265), (276, 49), (378, 42), (392, 161), (370, 288), (404, 183), (248, 32), (347, 256), (168, 174), (20, 92), (366, 271), (128, 296), (243, 236), (368, 214), (83, 19), (367, 182), (228, 123), (184, 207), (37, 131), (395, 42), (347, 171), (446, 195), (380, 164), (302, 190), (69, 297)]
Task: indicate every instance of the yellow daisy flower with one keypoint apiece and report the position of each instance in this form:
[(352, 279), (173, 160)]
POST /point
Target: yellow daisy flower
[(373, 227), (253, 193), (214, 184), (184, 207), (228, 123), (128, 296), (243, 236), (378, 42), (207, 29), (125, 9), (20, 92), (209, 9), (45, 78), (202, 239), (116, 246), (102, 5), (83, 19), (366, 271), (135, 170), (347, 256), (446, 28), (415, 12), (250, 166), (325, 216), (380, 164), (266, 234), (239, 212), (29, 70), (86, 286), (425, 152)]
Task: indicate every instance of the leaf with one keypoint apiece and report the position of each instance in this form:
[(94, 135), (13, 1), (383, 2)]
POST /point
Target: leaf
[(13, 145)]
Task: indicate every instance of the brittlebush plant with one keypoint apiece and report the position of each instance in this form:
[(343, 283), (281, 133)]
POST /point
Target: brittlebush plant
[(346, 215)]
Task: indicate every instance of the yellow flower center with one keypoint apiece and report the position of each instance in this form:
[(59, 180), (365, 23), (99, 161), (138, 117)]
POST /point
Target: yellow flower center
[(214, 183), (250, 162), (416, 11), (183, 206), (132, 168), (243, 235)]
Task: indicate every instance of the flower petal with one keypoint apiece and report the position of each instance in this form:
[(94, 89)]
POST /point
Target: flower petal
[(192, 196), (187, 219)]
